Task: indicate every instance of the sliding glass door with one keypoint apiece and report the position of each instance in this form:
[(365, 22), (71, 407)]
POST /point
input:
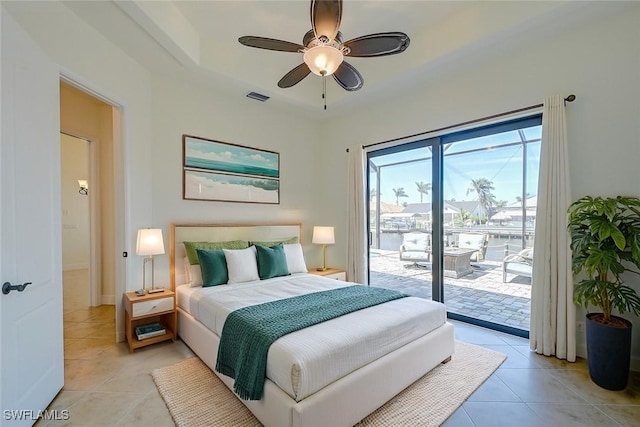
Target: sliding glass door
[(400, 192), (452, 218)]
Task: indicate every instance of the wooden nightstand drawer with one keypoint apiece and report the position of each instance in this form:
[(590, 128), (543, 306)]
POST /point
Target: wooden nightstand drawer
[(337, 276), (330, 273), (144, 308)]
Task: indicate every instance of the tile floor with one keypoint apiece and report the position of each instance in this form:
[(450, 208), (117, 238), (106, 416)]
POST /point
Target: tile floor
[(105, 385)]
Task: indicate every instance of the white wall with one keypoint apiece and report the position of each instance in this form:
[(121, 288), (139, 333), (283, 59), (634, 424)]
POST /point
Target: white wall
[(74, 157), (186, 108), (600, 64)]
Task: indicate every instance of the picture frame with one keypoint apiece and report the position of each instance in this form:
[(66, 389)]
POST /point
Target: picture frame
[(221, 171)]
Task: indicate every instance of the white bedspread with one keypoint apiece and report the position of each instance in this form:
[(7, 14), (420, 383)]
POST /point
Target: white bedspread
[(305, 361)]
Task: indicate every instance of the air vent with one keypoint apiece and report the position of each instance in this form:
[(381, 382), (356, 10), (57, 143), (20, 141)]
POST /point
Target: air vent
[(257, 96)]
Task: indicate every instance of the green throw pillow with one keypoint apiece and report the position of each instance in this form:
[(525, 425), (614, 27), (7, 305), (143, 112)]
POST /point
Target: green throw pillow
[(214, 267), (190, 247), (275, 242), (272, 262)]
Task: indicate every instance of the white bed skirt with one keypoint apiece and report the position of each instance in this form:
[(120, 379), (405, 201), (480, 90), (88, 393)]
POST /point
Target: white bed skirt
[(344, 402)]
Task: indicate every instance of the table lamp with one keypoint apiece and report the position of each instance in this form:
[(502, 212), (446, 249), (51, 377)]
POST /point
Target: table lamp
[(323, 236), (149, 243)]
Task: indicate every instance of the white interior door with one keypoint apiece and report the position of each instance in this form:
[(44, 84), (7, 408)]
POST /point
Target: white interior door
[(31, 356)]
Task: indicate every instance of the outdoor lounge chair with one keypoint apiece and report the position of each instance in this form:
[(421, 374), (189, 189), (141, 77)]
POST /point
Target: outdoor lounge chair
[(416, 247), (475, 241), (520, 264)]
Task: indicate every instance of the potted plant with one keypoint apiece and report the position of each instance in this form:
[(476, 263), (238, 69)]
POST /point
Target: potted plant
[(605, 242)]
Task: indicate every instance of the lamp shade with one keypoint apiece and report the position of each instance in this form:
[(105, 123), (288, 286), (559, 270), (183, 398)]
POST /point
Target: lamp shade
[(323, 60), (323, 235), (149, 242)]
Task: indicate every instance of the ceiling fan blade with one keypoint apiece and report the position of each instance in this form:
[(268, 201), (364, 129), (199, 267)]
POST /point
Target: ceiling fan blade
[(379, 44), (294, 76), (325, 17), (348, 77), (270, 44)]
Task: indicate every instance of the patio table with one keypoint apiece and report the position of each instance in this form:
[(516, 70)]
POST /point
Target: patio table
[(457, 262)]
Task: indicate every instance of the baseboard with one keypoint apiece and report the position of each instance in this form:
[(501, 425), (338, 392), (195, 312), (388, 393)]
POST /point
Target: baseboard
[(120, 336), (581, 350), (107, 299)]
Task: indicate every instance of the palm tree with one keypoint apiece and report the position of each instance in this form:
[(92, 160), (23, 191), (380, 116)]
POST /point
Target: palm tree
[(423, 188), (399, 192), (501, 204), (483, 189)]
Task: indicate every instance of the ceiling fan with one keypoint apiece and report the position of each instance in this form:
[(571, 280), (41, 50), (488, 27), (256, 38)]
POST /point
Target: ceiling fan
[(324, 51)]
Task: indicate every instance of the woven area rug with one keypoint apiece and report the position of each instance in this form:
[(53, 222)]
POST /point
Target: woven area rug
[(196, 397)]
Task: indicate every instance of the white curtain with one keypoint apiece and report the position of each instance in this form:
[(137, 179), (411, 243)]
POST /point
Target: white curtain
[(356, 222), (553, 313)]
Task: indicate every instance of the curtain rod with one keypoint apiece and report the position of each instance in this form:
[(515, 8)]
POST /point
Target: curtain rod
[(569, 98)]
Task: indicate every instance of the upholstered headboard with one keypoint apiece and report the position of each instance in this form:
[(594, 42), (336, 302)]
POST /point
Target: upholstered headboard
[(180, 233)]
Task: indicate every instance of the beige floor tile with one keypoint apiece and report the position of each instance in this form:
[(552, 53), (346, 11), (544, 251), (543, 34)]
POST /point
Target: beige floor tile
[(102, 316), (86, 348), (626, 415), (550, 362), (88, 374), (501, 414), (152, 411), (572, 415), (459, 419), (65, 399), (580, 382), (133, 379), (515, 359), (78, 330), (475, 335), (494, 390), (77, 315), (536, 386), (100, 409)]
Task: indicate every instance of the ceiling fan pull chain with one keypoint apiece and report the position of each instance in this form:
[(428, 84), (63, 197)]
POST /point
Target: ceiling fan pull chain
[(324, 91)]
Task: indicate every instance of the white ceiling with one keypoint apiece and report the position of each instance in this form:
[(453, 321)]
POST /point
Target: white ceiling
[(199, 39)]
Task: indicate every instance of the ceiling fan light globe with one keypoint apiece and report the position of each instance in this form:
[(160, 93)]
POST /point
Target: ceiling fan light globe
[(323, 60)]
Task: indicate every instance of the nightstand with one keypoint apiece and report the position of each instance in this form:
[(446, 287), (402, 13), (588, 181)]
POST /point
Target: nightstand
[(331, 273), (150, 308)]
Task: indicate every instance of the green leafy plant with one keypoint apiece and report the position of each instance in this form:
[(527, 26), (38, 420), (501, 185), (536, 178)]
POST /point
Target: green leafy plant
[(605, 242)]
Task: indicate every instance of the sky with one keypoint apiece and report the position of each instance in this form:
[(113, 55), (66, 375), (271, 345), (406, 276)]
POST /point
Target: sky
[(501, 165)]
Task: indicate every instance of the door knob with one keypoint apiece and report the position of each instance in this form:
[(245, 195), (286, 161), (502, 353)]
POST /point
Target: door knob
[(8, 287)]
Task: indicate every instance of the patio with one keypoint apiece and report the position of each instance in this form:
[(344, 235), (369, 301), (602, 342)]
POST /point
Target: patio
[(480, 294)]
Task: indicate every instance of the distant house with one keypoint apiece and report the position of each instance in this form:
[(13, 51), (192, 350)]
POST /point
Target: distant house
[(512, 213)]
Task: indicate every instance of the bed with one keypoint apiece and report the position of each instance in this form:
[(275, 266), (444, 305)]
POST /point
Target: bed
[(303, 386)]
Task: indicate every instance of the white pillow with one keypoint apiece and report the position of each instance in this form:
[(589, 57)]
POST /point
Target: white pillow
[(195, 272), (295, 258), (242, 265), (192, 274), (187, 271)]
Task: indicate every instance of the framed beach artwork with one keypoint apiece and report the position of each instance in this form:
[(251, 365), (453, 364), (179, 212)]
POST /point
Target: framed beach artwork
[(220, 171)]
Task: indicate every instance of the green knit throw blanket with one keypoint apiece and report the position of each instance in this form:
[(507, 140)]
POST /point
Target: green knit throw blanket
[(249, 332)]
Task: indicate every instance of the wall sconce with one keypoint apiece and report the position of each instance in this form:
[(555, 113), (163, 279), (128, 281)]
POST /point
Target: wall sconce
[(84, 187), (149, 243), (323, 236)]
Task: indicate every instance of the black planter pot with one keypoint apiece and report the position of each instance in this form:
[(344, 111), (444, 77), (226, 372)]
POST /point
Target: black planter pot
[(608, 353)]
